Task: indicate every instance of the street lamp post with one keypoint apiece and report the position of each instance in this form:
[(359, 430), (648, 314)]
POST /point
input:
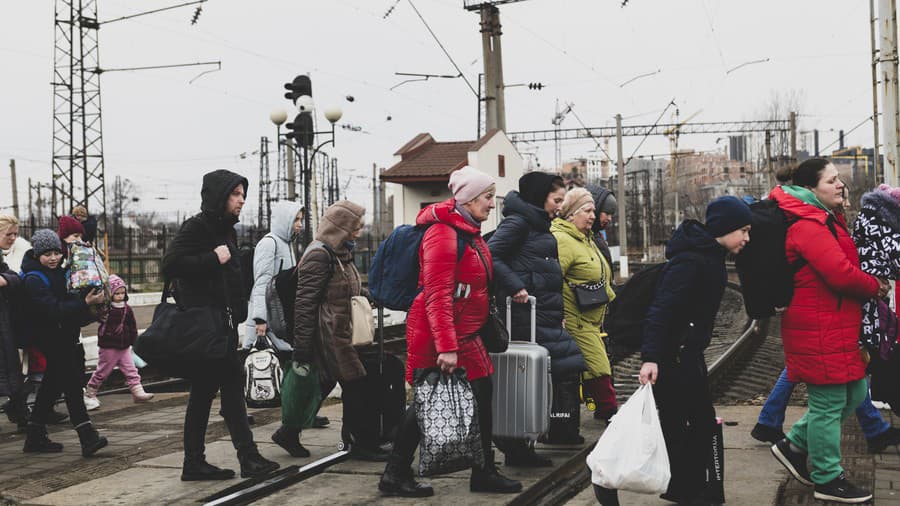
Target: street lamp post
[(304, 137)]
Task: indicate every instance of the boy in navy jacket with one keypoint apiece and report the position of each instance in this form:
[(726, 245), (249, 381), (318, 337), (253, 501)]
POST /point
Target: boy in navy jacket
[(55, 319)]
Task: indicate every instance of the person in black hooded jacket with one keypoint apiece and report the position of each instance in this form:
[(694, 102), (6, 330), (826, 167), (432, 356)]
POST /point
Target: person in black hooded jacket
[(677, 330), (202, 263), (526, 263)]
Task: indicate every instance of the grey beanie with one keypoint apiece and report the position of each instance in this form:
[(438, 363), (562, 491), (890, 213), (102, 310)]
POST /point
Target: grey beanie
[(45, 240)]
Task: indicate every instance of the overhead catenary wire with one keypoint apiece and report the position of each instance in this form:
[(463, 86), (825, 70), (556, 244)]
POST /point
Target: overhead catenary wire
[(439, 43), (861, 123)]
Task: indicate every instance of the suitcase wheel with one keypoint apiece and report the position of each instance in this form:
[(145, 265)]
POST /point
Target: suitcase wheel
[(343, 446)]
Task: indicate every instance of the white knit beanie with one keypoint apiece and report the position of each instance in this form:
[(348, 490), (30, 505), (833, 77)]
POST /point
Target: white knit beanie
[(468, 183)]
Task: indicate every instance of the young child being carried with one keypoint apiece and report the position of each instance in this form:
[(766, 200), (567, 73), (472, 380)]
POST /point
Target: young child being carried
[(117, 332)]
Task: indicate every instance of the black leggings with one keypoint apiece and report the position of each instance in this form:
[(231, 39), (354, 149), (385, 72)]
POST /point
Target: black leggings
[(408, 434)]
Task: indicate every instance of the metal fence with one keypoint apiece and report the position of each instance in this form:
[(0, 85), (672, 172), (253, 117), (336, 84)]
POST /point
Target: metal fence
[(135, 255)]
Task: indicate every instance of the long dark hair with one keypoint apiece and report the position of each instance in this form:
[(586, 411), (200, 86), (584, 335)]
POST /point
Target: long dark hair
[(805, 174)]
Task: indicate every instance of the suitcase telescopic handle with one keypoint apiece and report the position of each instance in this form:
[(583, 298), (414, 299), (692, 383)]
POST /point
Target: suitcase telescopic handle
[(531, 300)]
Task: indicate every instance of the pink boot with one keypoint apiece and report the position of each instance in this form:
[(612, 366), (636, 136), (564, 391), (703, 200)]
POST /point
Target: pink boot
[(139, 395)]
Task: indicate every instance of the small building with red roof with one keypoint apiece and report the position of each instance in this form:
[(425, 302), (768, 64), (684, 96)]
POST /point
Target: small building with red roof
[(423, 165)]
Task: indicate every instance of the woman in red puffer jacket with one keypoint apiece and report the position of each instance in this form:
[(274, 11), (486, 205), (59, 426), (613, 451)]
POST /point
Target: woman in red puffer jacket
[(820, 328), (443, 322)]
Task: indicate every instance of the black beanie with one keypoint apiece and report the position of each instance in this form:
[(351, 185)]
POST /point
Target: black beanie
[(725, 215), (535, 186)]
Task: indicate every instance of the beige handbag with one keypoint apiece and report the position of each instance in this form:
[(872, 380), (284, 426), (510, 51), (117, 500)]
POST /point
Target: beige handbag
[(362, 320)]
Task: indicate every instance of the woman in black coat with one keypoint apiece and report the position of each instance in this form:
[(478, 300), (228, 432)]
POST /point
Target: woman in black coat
[(202, 262), (526, 263)]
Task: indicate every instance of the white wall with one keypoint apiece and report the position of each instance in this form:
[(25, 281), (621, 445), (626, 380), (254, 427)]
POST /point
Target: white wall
[(408, 199)]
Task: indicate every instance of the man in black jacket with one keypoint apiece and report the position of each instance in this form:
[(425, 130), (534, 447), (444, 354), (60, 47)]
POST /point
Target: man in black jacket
[(202, 263)]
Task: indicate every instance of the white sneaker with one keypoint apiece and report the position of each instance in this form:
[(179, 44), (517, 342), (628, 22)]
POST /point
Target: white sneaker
[(91, 403)]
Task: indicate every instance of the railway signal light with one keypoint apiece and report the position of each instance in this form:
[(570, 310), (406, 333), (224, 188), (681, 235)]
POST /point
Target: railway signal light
[(301, 85)]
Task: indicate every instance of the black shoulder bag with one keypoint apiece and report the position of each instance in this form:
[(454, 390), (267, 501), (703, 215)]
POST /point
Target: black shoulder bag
[(493, 332), (181, 338)]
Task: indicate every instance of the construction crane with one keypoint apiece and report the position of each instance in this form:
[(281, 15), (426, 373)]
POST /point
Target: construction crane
[(673, 134), (494, 102)]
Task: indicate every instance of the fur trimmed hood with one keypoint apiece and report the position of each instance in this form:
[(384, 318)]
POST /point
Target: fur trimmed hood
[(884, 206)]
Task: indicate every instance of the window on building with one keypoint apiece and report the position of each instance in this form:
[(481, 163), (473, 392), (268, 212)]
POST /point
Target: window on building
[(501, 165)]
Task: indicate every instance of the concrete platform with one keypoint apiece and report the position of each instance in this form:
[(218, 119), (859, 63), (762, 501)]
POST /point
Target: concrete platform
[(142, 465)]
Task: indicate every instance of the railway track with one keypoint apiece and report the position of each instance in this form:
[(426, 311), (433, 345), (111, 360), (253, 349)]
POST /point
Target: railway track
[(743, 364)]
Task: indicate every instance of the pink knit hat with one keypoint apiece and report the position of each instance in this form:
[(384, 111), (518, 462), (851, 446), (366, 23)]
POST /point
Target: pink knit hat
[(115, 282), (893, 192), (468, 183)]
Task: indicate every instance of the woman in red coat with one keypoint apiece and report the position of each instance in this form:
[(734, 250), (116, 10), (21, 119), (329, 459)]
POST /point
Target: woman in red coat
[(820, 328), (443, 322)]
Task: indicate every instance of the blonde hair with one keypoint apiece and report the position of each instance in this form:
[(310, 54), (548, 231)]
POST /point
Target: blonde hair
[(7, 221)]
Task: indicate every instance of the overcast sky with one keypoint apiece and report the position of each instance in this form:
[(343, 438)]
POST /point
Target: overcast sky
[(163, 132)]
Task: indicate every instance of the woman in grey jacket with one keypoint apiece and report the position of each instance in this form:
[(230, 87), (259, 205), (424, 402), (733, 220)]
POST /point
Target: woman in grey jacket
[(274, 253)]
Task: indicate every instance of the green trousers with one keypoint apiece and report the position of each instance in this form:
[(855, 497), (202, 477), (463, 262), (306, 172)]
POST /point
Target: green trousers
[(818, 432)]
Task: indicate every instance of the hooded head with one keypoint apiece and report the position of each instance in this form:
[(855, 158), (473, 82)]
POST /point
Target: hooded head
[(604, 202), (217, 187), (115, 282), (727, 214), (894, 192), (284, 212), (69, 225), (339, 223), (467, 183), (535, 186)]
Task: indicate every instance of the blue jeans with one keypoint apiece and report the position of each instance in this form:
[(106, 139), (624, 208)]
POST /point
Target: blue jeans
[(772, 414)]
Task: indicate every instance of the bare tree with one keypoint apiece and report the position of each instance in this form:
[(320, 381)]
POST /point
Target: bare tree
[(123, 200)]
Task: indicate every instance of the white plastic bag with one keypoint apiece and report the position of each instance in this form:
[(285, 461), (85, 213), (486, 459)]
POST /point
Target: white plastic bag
[(631, 453)]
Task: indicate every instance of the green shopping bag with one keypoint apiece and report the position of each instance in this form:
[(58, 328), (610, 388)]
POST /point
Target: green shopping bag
[(300, 396)]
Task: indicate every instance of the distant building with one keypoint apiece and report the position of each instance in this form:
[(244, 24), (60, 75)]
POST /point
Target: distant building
[(423, 166)]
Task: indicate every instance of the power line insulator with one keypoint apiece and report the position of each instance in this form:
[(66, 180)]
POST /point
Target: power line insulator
[(197, 12), (535, 86)]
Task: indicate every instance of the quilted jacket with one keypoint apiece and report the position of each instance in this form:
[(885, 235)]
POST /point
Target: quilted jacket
[(526, 256), (820, 328), (439, 321)]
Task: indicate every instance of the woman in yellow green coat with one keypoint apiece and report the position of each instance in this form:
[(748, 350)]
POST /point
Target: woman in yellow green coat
[(586, 271)]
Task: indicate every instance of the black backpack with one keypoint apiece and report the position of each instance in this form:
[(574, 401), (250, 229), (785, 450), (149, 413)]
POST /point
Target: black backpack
[(245, 260), (285, 285), (767, 279), (625, 320)]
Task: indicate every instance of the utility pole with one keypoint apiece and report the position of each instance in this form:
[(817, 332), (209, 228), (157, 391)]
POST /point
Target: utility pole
[(620, 201), (793, 121), (30, 209), (15, 188), (375, 207), (769, 170), (291, 177), (887, 16), (876, 163), (492, 57)]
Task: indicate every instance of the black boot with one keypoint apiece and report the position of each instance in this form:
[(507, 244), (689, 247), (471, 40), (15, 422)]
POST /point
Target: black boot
[(487, 479), (398, 480), (289, 439), (36, 440), (526, 458), (606, 496), (91, 441), (196, 468), (17, 411), (253, 464), (320, 422)]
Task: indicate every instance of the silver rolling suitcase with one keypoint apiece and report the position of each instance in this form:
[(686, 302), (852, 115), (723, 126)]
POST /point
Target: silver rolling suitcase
[(522, 391)]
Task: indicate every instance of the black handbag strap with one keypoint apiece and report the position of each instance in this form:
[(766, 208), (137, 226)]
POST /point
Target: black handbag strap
[(487, 272)]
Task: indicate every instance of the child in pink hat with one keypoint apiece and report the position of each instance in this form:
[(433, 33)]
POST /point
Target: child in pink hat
[(117, 332)]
